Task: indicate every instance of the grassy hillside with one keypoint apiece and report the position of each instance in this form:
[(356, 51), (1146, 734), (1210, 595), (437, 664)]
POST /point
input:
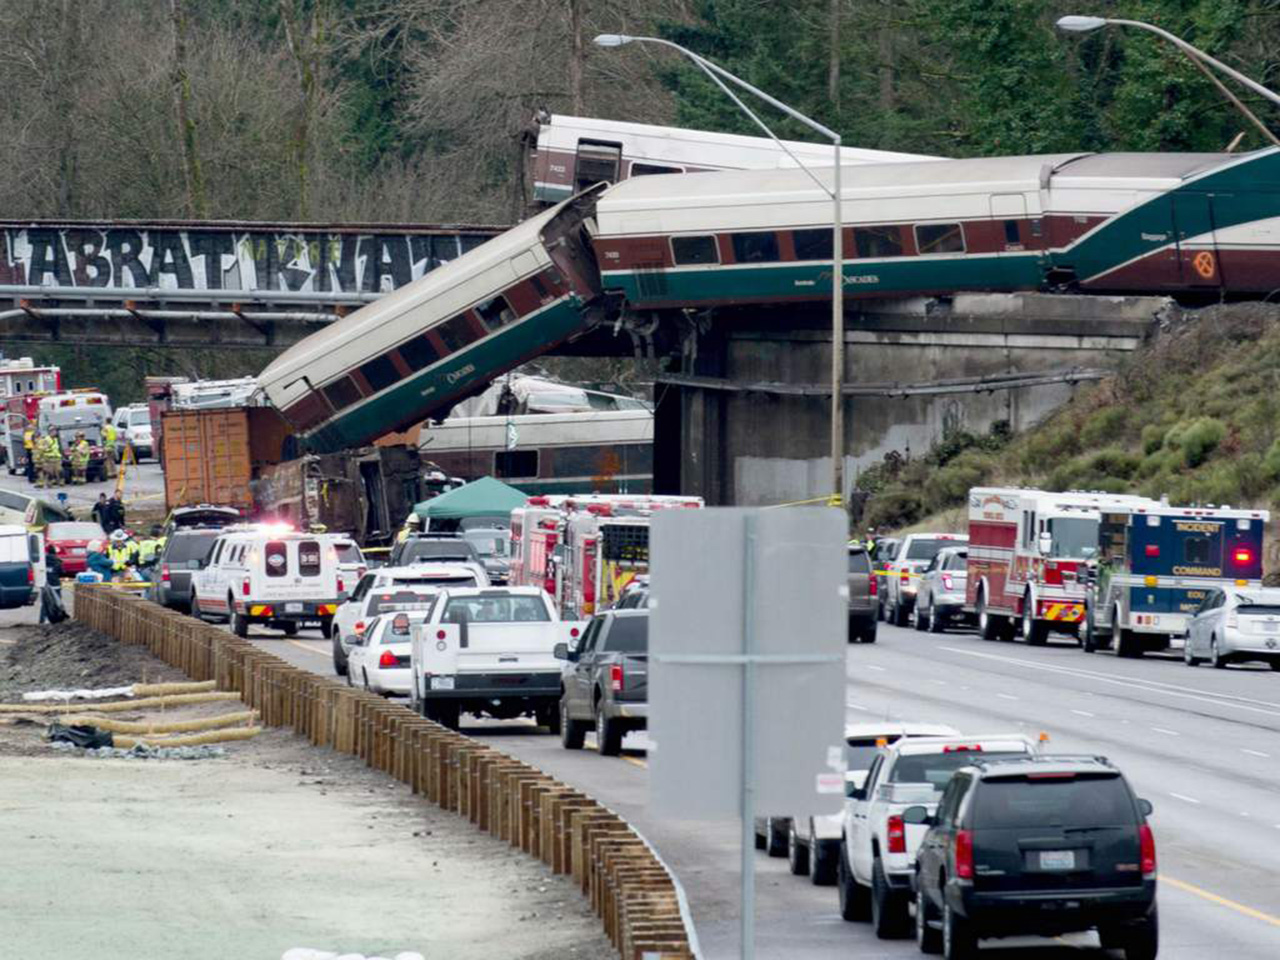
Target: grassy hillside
[(1195, 414)]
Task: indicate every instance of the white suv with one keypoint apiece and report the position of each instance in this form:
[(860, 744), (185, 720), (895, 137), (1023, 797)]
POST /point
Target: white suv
[(270, 575)]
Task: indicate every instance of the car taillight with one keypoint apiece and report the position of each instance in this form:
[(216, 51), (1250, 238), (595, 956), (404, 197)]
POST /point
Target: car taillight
[(962, 748), (905, 575), (244, 587), (1147, 841), (164, 573), (388, 659), (359, 628), (615, 677), (1152, 550), (897, 834), (341, 587), (873, 586), (964, 854), (31, 574), (947, 582)]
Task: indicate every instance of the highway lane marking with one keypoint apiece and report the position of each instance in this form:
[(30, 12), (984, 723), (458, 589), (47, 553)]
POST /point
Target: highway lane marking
[(1254, 753), (1084, 713), (1183, 797), (1220, 901), (1172, 733), (872, 666), (634, 761), (1006, 696), (1132, 683), (301, 645), (854, 706)]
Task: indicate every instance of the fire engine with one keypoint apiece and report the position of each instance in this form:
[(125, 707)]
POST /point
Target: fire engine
[(1156, 565), (1027, 556)]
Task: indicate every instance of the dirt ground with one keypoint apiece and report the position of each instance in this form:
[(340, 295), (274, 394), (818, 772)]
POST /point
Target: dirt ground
[(273, 846)]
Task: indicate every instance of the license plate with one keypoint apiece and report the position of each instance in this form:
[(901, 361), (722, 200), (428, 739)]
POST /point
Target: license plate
[(442, 683), (1057, 859), (293, 608), (1271, 627)]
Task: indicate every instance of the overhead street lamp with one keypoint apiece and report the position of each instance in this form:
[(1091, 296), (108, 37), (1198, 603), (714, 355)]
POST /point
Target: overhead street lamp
[(1082, 24), (718, 75)]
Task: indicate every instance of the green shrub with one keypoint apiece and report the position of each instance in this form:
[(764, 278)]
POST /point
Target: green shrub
[(893, 508), (1197, 439), (1104, 426), (1271, 462), (950, 485), (1152, 438)]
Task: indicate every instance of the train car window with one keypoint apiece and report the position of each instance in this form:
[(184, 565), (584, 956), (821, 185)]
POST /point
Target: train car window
[(496, 313), (690, 250), (418, 353), (515, 463), (598, 160), (456, 333), (1011, 234), (813, 244), (939, 238), (878, 241), (756, 248), (652, 169), (380, 372), (341, 393)]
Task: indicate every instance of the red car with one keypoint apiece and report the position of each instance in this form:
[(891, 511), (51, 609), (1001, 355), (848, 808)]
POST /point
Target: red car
[(70, 542)]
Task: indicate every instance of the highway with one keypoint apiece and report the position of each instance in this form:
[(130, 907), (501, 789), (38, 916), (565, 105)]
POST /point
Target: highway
[(1202, 745)]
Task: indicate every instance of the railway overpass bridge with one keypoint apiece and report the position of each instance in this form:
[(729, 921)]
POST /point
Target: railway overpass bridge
[(742, 407)]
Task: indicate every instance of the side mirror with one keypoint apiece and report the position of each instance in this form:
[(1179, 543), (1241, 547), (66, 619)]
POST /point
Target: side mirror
[(560, 651), (1145, 806), (1045, 543), (917, 815)]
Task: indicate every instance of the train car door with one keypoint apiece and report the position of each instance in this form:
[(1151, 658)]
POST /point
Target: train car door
[(1198, 264)]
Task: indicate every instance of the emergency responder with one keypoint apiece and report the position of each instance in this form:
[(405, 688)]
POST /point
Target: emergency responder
[(99, 513), (148, 552), (121, 552), (109, 449), (115, 514), (49, 455), (29, 445), (412, 525), (79, 455)]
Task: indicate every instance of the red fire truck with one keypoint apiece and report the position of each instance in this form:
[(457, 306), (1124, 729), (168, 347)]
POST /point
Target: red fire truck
[(1027, 556)]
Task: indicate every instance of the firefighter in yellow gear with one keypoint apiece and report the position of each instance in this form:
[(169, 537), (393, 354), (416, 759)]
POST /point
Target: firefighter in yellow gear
[(109, 449), (29, 446), (123, 551), (49, 457), (412, 525), (79, 455)]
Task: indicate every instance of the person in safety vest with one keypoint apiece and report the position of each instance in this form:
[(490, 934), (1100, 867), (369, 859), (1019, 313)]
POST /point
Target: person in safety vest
[(49, 454), (412, 525), (148, 551), (121, 552), (80, 454), (109, 448), (29, 445)]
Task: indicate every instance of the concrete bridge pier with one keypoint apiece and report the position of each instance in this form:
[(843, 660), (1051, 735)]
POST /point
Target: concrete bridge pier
[(745, 421)]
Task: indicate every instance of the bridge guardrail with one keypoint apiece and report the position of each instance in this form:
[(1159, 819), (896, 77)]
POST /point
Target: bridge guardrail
[(639, 902)]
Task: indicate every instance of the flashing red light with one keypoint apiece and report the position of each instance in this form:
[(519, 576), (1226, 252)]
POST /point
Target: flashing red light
[(963, 748), (615, 677), (1147, 846), (440, 634), (896, 832), (573, 632), (1243, 556), (964, 854), (388, 659), (1152, 550)]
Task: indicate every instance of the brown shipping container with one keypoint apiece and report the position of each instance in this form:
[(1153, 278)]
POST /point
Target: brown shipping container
[(210, 456)]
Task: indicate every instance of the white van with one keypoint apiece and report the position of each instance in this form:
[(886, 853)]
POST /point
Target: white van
[(271, 575)]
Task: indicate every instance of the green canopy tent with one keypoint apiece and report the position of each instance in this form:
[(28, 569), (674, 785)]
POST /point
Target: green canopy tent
[(485, 497)]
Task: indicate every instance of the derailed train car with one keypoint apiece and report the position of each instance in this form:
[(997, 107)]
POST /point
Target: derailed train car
[(1204, 225)]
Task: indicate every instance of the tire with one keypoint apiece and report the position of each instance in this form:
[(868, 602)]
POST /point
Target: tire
[(1187, 658), (958, 941), (1128, 645), (899, 614), (326, 627), (239, 625), (855, 900), (290, 629), (989, 627), (1142, 941), (352, 683), (1274, 664), (869, 634), (364, 680), (824, 858), (797, 853), (775, 839), (936, 623), (572, 732), (449, 712), (1089, 644), (888, 907), (339, 660), (1216, 659), (609, 736), (549, 717), (1034, 632), (928, 939), (918, 618)]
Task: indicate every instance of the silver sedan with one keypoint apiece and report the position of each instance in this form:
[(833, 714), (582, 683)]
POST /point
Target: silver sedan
[(940, 596), (1235, 625)]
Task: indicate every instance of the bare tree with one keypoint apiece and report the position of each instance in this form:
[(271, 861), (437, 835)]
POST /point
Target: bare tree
[(192, 177)]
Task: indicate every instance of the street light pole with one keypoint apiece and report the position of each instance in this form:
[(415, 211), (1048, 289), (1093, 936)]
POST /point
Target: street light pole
[(718, 75), (1079, 24)]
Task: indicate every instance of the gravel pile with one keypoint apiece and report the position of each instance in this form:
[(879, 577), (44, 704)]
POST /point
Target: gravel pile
[(69, 654)]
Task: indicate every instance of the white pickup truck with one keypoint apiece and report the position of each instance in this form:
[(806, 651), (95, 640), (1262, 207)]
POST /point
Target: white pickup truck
[(877, 849), (489, 651)]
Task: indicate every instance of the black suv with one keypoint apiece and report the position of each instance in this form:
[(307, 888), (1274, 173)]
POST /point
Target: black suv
[(1036, 846)]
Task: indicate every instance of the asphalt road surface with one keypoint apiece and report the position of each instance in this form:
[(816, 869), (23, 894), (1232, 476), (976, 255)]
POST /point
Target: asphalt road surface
[(1203, 745), (143, 489)]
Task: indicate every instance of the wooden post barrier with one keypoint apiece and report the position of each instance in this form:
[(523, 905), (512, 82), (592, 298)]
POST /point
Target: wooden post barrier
[(630, 890)]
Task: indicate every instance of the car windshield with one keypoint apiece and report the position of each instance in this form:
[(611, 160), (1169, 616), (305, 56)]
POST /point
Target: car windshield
[(348, 553), (489, 543), (446, 580), (401, 600), (140, 418), (628, 635), (859, 562), (926, 549), (75, 531), (496, 608), (189, 547), (935, 769), (416, 551), (1074, 537), (1052, 801)]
